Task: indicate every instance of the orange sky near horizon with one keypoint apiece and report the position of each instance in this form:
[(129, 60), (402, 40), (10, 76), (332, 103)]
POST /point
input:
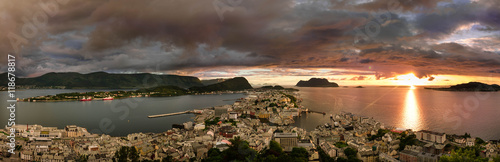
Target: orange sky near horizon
[(367, 80)]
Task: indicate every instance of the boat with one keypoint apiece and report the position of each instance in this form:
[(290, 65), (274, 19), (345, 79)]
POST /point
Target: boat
[(86, 99), (108, 98)]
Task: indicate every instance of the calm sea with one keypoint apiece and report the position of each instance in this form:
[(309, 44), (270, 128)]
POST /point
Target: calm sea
[(477, 113), (402, 107), (116, 117)]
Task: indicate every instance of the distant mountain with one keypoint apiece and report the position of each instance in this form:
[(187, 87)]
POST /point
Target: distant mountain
[(106, 80), (471, 86), (162, 91), (276, 87), (212, 81), (316, 82), (234, 84)]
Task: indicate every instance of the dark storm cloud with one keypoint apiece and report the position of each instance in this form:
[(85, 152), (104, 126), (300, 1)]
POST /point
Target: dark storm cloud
[(440, 24), (383, 5), (176, 35)]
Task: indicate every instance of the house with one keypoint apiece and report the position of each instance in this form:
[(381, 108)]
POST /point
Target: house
[(329, 149), (233, 115), (460, 140), (27, 156), (470, 141), (491, 151), (367, 154)]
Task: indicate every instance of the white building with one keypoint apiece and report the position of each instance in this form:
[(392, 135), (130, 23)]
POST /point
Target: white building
[(431, 136), (233, 115), (470, 141)]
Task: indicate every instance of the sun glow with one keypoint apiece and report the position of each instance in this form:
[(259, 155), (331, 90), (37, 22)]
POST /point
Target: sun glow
[(410, 80)]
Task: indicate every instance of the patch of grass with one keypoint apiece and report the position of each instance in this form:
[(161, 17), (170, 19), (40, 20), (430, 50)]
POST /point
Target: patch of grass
[(340, 144)]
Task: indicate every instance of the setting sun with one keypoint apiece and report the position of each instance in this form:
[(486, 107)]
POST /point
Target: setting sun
[(410, 80)]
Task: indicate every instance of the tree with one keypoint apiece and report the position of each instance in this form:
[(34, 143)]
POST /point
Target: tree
[(323, 156), (239, 150), (351, 154), (479, 141), (214, 155), (407, 140), (462, 155), (133, 154), (127, 154), (299, 154), (275, 148), (168, 159), (82, 158)]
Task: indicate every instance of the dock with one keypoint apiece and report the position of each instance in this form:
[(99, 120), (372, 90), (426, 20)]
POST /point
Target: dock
[(171, 114), (312, 111)]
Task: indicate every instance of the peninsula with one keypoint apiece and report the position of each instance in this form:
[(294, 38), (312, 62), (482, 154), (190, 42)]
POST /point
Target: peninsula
[(229, 85), (471, 86)]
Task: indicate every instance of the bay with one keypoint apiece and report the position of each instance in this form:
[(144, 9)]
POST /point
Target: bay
[(117, 117), (477, 113)]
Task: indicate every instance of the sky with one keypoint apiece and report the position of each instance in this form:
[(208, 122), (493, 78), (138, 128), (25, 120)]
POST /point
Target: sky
[(351, 42)]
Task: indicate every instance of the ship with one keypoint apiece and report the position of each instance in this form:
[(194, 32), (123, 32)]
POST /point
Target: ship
[(86, 99), (108, 98)]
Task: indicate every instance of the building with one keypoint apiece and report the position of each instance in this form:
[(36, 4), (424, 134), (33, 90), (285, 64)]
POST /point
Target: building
[(427, 157), (227, 131), (470, 141), (408, 156), (74, 131), (431, 136), (233, 115), (383, 157), (329, 149), (219, 110), (27, 156), (460, 140), (43, 133), (286, 140)]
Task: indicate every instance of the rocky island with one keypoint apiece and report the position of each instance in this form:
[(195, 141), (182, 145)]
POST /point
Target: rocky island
[(316, 82), (471, 86)]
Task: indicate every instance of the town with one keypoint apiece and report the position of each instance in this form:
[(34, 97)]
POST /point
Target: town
[(255, 128)]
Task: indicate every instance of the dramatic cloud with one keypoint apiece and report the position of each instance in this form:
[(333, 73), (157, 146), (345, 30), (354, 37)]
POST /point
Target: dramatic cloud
[(383, 38)]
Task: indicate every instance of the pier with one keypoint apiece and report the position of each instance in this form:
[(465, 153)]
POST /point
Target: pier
[(312, 111), (171, 114)]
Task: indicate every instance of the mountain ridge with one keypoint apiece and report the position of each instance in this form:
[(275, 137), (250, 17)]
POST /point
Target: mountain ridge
[(104, 80)]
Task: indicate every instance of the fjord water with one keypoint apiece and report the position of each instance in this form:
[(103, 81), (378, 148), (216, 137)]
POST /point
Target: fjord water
[(402, 107), (116, 117), (477, 113)]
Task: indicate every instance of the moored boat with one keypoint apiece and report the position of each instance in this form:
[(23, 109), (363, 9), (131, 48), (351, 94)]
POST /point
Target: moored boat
[(108, 98), (86, 99)]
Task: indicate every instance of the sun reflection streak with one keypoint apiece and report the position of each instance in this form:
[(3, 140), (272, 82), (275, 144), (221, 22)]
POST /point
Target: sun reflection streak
[(411, 116)]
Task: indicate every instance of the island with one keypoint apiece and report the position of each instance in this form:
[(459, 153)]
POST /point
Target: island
[(230, 85), (359, 87), (316, 82), (471, 86)]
